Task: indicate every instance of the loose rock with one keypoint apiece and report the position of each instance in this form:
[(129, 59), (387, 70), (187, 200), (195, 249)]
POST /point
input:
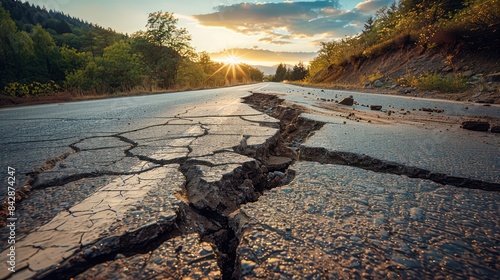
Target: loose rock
[(349, 101), (476, 125), (378, 83)]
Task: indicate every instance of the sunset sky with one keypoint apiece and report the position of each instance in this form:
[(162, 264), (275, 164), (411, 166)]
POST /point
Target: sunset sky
[(265, 32)]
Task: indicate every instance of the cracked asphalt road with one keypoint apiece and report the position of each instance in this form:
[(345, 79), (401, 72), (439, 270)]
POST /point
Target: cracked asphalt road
[(34, 134), (198, 185), (91, 165)]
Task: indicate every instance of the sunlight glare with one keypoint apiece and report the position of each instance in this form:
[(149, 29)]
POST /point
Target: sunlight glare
[(232, 60), (232, 64)]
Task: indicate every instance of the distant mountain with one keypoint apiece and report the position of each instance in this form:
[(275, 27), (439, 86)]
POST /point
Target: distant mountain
[(270, 70)]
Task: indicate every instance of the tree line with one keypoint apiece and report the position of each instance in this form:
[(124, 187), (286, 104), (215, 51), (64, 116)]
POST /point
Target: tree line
[(42, 52), (297, 73)]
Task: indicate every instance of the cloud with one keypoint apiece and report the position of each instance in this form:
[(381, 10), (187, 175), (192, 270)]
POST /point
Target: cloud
[(277, 39), (273, 40), (273, 21), (370, 6)]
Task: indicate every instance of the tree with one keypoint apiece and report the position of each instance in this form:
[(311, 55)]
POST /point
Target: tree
[(47, 64), (280, 73), (255, 74), (170, 45), (299, 72), (205, 60), (160, 62), (162, 31), (192, 74), (7, 31), (119, 69), (87, 79), (97, 38), (23, 56), (368, 25), (123, 68), (72, 59)]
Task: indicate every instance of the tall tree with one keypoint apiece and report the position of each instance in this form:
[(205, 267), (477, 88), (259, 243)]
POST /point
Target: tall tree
[(368, 25), (171, 45), (47, 65), (205, 60), (281, 72)]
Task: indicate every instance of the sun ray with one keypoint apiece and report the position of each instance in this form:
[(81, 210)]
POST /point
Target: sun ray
[(232, 64), (232, 59)]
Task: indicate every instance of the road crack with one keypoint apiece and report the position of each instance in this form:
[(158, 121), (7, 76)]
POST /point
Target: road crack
[(294, 132)]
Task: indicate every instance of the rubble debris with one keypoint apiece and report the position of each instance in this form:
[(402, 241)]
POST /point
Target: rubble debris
[(476, 125), (349, 101)]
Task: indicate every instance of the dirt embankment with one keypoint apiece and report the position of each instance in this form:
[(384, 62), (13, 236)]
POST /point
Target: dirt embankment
[(391, 72)]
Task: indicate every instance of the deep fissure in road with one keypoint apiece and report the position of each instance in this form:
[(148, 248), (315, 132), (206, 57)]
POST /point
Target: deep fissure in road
[(245, 184)]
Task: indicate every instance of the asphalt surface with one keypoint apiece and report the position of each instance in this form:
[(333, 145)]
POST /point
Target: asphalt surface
[(31, 135), (198, 185)]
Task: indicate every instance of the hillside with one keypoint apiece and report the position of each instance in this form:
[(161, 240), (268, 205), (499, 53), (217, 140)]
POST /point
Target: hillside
[(420, 48), (64, 29), (27, 15), (467, 75)]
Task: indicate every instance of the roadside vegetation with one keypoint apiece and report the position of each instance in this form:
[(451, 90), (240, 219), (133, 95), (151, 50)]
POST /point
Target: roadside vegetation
[(297, 73), (448, 26), (435, 81), (46, 52)]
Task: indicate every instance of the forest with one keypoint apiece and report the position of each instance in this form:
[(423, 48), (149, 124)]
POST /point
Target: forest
[(454, 25), (44, 52)]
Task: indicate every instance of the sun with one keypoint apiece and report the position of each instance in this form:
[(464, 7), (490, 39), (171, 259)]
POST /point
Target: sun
[(232, 60), (232, 64)]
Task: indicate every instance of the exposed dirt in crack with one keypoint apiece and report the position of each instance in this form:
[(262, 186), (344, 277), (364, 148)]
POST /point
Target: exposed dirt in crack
[(212, 202), (293, 128), (216, 200)]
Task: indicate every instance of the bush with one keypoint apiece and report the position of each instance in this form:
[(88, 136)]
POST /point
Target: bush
[(395, 43), (28, 90), (436, 81)]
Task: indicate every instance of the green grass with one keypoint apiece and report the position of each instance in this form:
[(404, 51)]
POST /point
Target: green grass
[(435, 81)]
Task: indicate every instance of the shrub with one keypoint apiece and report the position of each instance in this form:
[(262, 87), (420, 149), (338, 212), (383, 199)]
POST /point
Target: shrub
[(395, 43), (436, 81), (375, 76), (28, 90)]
